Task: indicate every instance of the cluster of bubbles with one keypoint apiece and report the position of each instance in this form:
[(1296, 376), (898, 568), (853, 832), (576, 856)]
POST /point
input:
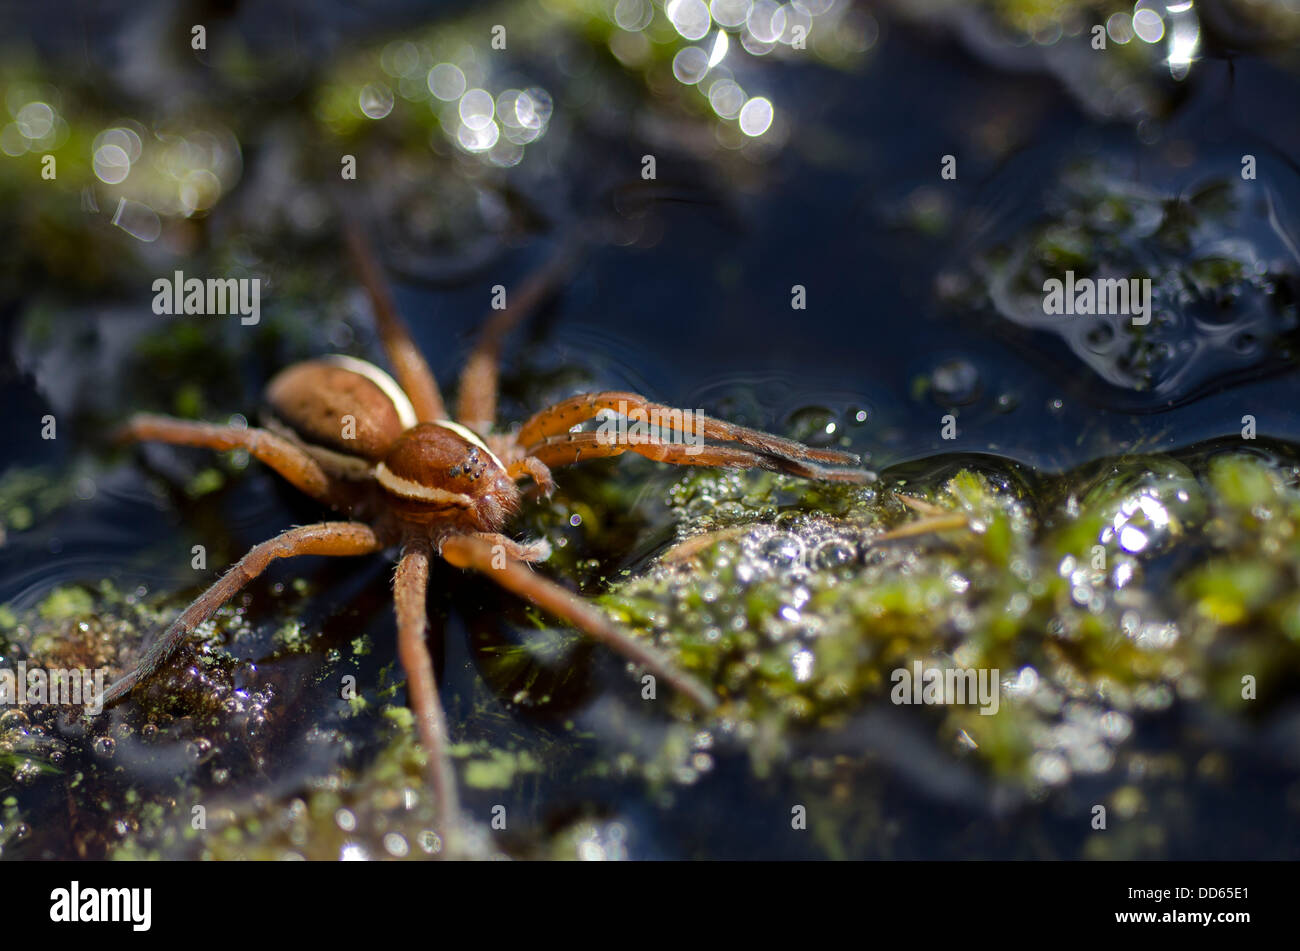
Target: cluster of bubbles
[(494, 127), (147, 175), (1173, 22), (715, 30), (1152, 21), (36, 125), (166, 173)]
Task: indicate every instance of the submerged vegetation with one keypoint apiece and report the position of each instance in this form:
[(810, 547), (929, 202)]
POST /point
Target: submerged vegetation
[(1111, 601)]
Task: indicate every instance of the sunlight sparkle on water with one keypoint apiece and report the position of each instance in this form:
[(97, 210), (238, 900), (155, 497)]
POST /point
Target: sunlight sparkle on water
[(375, 100), (730, 13), (720, 46), (690, 18), (756, 116), (766, 21), (447, 82), (690, 65), (1148, 25)]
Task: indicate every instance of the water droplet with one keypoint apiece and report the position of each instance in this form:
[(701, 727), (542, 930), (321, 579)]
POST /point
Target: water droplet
[(955, 382)]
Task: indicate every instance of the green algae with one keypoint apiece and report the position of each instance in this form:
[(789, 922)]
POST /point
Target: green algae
[(1102, 597), (29, 494), (1058, 598)]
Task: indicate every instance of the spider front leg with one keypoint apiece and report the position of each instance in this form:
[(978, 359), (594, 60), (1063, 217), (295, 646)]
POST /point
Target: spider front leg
[(326, 538), (552, 425), (466, 551), (535, 469), (571, 448), (539, 550), (410, 585), (289, 460)]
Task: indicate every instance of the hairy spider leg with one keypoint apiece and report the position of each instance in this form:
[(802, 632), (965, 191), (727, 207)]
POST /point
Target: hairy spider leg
[(325, 538), (409, 366), (570, 448), (476, 395), (410, 586), (285, 457), (464, 551), (558, 419)]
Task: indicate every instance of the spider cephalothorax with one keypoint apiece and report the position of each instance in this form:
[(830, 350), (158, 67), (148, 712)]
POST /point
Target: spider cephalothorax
[(384, 452), (441, 474)]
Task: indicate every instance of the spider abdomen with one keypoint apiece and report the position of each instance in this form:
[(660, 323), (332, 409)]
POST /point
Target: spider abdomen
[(341, 404)]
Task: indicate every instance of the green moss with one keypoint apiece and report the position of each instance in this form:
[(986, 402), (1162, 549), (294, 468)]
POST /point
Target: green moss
[(29, 494), (1055, 598), (66, 603), (1099, 596), (498, 769)]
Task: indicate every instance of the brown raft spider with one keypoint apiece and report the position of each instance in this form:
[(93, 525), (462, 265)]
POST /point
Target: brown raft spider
[(407, 476)]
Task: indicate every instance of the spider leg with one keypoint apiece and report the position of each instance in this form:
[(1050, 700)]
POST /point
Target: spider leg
[(410, 367), (325, 538), (535, 469), (465, 551), (289, 460), (533, 551), (570, 448), (410, 585), (558, 419), (476, 397)]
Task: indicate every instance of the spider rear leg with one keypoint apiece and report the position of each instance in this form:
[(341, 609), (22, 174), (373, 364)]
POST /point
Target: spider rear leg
[(476, 396), (921, 505), (691, 548), (410, 585), (465, 551), (935, 518), (325, 538), (289, 460)]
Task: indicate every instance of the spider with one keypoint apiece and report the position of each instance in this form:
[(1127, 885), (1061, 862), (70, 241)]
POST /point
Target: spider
[(383, 452)]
